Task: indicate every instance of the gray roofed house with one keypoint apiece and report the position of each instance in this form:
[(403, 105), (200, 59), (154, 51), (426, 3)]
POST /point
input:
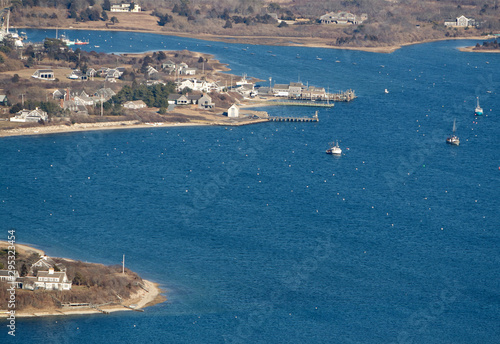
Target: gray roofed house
[(104, 93), (30, 116), (178, 99), (194, 98), (45, 262), (205, 102), (75, 106), (134, 104), (8, 275), (51, 279), (167, 65)]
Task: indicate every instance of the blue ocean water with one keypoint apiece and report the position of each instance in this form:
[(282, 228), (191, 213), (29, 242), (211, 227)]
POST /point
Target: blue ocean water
[(256, 234)]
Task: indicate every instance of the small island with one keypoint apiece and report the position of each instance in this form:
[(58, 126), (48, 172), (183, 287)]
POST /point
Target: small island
[(58, 286)]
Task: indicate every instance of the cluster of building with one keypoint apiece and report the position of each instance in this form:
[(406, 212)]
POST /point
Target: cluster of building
[(342, 17), (125, 7), (42, 275)]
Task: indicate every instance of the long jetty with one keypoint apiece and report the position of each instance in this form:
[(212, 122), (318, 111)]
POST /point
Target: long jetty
[(303, 103), (294, 119)]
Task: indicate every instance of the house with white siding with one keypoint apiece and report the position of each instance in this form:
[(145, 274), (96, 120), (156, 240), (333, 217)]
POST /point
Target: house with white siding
[(30, 116)]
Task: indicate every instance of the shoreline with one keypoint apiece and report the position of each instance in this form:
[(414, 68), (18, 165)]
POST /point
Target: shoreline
[(270, 40), (472, 50), (140, 300), (82, 127), (136, 302)]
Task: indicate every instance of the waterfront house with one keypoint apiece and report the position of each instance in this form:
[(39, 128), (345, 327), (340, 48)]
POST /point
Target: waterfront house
[(74, 106), (30, 116), (44, 74), (281, 90), (52, 280), (83, 99), (135, 104), (295, 89), (205, 102), (46, 263), (233, 111)]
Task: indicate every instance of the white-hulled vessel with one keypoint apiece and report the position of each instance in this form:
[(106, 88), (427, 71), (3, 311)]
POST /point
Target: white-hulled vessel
[(453, 139), (334, 149)]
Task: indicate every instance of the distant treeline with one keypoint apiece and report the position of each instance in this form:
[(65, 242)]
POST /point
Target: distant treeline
[(487, 46)]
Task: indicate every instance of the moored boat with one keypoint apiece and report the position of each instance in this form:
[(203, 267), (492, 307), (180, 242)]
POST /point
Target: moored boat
[(334, 149), (479, 110), (453, 139), (78, 42)]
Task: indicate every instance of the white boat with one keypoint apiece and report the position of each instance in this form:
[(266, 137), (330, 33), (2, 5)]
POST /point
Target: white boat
[(386, 91), (334, 149), (479, 110), (453, 139)]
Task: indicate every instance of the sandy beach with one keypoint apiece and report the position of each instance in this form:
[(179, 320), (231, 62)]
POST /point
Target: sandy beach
[(138, 301), (79, 127)]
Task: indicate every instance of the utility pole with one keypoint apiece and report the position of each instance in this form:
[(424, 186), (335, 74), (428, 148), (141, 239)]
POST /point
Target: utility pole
[(123, 265), (22, 99), (102, 106)]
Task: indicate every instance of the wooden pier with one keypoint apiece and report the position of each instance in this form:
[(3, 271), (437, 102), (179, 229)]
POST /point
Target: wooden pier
[(294, 119), (303, 103)]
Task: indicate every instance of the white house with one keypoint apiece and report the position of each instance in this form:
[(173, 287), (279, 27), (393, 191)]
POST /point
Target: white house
[(233, 111), (51, 280), (30, 116), (342, 17), (194, 84), (8, 275), (188, 71), (461, 21), (44, 74), (135, 104), (125, 8)]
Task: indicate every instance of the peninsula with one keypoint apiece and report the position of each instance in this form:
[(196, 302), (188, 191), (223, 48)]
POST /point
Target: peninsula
[(57, 286)]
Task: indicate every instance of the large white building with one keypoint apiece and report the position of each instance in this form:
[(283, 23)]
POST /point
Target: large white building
[(30, 116), (125, 8)]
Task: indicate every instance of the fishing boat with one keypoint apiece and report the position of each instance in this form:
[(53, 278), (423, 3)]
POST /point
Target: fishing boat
[(66, 40), (453, 139), (478, 111), (334, 149), (78, 42)]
